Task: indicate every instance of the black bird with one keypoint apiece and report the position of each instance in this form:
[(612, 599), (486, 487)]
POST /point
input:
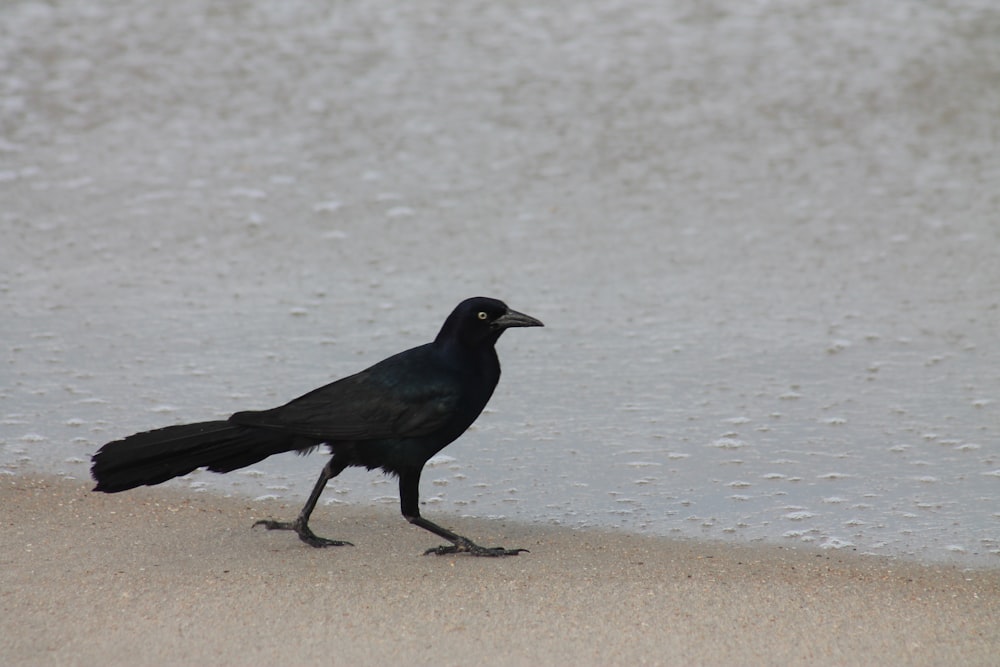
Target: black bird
[(395, 416)]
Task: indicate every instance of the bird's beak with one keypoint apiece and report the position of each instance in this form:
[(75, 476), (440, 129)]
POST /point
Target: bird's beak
[(512, 318)]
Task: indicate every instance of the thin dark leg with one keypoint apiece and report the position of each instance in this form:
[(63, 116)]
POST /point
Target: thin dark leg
[(409, 499), (301, 523)]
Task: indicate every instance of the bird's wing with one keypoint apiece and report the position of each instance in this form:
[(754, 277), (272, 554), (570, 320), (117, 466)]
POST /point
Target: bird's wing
[(401, 397)]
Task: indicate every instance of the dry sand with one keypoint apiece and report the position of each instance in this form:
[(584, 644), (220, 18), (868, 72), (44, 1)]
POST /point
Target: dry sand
[(160, 577)]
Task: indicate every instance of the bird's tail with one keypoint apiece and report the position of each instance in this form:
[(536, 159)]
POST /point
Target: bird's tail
[(153, 457)]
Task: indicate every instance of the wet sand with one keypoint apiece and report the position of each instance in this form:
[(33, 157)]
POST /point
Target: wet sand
[(160, 576)]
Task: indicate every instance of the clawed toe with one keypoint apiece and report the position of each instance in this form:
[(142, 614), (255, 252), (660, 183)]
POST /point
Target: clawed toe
[(473, 550), (320, 542), (303, 532)]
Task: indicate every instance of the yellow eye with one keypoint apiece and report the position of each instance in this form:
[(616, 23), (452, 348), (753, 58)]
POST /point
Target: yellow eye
[(482, 315)]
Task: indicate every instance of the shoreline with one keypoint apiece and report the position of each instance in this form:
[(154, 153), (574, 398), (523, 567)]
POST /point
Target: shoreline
[(85, 574)]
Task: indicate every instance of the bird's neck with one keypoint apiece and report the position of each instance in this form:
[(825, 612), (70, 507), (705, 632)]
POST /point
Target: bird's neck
[(479, 359)]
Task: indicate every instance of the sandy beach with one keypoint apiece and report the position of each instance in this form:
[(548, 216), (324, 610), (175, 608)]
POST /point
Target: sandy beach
[(762, 237), (157, 576)]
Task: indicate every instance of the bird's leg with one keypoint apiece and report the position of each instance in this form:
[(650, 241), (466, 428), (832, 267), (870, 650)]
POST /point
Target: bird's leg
[(301, 523), (409, 498), (459, 544)]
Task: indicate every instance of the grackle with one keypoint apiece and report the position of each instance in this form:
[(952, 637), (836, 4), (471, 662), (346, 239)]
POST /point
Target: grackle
[(394, 415)]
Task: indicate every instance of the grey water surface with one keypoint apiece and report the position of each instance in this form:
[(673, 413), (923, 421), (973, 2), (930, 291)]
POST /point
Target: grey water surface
[(763, 237)]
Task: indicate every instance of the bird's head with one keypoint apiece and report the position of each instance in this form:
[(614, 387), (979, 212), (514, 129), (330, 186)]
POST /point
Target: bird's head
[(482, 319)]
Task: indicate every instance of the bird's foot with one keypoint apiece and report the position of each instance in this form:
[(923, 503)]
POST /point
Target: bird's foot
[(303, 532), (469, 547)]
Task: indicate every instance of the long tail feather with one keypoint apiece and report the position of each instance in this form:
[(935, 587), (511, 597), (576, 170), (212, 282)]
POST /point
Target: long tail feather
[(153, 457)]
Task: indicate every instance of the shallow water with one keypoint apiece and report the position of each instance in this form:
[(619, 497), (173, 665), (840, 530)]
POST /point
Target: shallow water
[(762, 238)]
